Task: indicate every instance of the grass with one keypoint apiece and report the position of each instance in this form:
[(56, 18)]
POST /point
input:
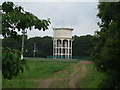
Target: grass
[(0, 79), (37, 70), (54, 60), (41, 69), (18, 83), (93, 78)]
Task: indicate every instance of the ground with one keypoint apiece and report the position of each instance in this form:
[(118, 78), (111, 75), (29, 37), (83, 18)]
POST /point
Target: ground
[(79, 73), (57, 74)]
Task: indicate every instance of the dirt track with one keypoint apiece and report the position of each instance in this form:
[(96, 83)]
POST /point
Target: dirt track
[(72, 81)]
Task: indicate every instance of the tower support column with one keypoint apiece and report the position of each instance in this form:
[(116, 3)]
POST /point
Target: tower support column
[(62, 43), (68, 48), (61, 48)]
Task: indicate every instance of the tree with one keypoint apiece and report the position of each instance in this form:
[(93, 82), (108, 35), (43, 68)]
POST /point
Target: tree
[(12, 43), (14, 19), (106, 52), (43, 46), (83, 45)]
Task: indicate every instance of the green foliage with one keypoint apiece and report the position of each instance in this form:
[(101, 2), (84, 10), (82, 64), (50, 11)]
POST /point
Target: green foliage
[(106, 52), (12, 43), (15, 18), (11, 63), (83, 45), (0, 20), (43, 46)]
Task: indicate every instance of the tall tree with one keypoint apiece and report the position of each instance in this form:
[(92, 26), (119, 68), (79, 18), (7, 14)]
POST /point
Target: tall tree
[(83, 45), (107, 50), (14, 19)]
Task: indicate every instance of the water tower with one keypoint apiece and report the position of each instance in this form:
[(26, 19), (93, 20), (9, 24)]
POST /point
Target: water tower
[(62, 43)]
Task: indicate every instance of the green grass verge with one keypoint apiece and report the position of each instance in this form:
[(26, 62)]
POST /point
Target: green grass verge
[(93, 77), (54, 60), (18, 83), (38, 71), (0, 79), (42, 69)]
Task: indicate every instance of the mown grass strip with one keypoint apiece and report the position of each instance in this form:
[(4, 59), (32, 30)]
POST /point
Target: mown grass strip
[(54, 60)]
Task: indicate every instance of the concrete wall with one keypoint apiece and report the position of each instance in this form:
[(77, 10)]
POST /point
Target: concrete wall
[(62, 43), (62, 33)]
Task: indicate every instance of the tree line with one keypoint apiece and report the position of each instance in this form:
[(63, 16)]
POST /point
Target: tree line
[(43, 46)]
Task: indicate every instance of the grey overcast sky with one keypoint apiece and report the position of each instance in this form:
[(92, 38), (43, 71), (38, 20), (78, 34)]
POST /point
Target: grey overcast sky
[(81, 16)]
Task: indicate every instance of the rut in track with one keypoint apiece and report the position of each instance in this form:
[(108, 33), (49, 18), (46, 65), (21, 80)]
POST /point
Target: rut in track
[(78, 74)]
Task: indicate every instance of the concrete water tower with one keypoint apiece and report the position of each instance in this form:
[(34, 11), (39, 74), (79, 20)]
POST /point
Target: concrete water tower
[(62, 43)]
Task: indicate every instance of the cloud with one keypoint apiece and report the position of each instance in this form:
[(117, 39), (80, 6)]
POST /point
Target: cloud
[(59, 0), (81, 16)]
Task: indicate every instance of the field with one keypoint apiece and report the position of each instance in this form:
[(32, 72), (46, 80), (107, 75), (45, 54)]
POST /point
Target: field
[(55, 73)]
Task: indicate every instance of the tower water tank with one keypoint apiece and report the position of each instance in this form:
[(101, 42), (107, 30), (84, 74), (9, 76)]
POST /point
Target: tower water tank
[(62, 43)]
